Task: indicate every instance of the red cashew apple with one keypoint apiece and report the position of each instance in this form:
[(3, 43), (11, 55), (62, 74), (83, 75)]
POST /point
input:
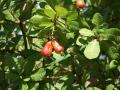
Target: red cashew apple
[(57, 47), (80, 4), (47, 49)]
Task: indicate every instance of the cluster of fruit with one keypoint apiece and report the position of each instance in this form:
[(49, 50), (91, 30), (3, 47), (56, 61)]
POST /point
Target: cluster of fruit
[(49, 46), (53, 44)]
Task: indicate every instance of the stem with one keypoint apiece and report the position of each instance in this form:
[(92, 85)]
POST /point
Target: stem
[(54, 27), (23, 29)]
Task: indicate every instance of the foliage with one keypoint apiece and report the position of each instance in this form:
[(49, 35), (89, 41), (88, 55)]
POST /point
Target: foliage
[(90, 36)]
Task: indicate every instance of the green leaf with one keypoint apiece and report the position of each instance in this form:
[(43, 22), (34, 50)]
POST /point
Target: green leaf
[(24, 86), (26, 79), (70, 35), (8, 15), (90, 2), (84, 23), (13, 62), (49, 86), (37, 76), (65, 82), (113, 64), (29, 66), (93, 88), (86, 32), (46, 24), (73, 25), (112, 32), (96, 88), (61, 11), (96, 3), (37, 44), (41, 21), (89, 88), (59, 57), (33, 86), (110, 87), (97, 19), (49, 12), (72, 16), (78, 41), (44, 33), (59, 85), (118, 68), (92, 50), (113, 53), (52, 3), (81, 41), (61, 23), (37, 19)]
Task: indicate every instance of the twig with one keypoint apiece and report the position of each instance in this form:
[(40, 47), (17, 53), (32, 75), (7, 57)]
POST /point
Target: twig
[(23, 29)]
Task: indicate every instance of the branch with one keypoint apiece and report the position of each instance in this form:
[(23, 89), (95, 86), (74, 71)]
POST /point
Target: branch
[(22, 25), (23, 29)]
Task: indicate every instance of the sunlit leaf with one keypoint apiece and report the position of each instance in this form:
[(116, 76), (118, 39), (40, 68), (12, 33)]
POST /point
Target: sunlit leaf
[(49, 12), (8, 15), (92, 50), (110, 87), (61, 10), (24, 86), (113, 64), (33, 86), (86, 32), (37, 76), (70, 35), (97, 19), (72, 16)]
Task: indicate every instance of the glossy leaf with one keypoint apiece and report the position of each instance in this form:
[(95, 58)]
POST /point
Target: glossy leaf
[(72, 16), (24, 86), (113, 64), (110, 87), (38, 75), (92, 50), (49, 12), (86, 32), (97, 19), (61, 11)]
